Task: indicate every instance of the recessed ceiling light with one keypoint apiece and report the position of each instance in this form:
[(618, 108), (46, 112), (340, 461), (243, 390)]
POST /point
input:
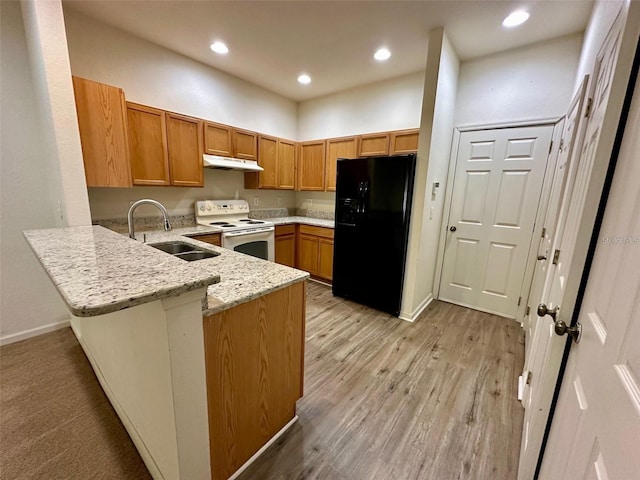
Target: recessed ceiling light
[(382, 54), (220, 48), (515, 18), (304, 79)]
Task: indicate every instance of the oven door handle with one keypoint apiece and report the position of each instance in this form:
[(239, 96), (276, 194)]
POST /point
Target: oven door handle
[(251, 232)]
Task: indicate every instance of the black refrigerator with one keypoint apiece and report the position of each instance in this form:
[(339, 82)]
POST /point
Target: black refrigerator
[(373, 207)]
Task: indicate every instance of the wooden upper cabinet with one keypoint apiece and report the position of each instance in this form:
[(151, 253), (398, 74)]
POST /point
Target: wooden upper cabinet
[(218, 139), (372, 145), (148, 145), (185, 148), (245, 144), (286, 179), (102, 117), (268, 159), (403, 141), (338, 148), (311, 166)]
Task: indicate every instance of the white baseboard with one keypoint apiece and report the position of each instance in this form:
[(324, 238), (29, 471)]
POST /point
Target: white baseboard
[(416, 313), (33, 332)]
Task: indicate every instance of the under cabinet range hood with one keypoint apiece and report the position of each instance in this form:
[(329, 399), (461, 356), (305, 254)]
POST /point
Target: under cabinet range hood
[(228, 163)]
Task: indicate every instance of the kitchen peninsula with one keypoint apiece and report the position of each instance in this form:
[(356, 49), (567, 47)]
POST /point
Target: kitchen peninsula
[(202, 361)]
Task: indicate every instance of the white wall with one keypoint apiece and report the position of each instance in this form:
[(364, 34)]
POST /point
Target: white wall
[(602, 17), (155, 76), (28, 299), (50, 70), (534, 82), (388, 105), (436, 131)]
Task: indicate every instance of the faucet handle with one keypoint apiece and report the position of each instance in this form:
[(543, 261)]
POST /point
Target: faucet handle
[(167, 225)]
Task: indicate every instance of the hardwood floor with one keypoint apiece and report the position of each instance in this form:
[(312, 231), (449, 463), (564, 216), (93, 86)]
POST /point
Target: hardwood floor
[(386, 399)]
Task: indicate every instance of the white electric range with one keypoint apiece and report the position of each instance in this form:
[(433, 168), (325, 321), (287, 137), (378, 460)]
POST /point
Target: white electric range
[(239, 232)]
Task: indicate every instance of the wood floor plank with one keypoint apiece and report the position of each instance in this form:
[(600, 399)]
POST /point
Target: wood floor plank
[(387, 399)]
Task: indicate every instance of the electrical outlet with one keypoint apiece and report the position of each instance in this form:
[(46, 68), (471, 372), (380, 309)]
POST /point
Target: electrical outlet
[(256, 201), (279, 201)]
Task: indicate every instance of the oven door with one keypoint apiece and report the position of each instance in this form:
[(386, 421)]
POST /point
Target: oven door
[(259, 244)]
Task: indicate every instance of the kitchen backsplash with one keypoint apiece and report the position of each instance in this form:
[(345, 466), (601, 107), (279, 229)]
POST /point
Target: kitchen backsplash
[(142, 224)]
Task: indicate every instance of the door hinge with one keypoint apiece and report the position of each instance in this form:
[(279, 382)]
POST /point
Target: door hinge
[(529, 378), (544, 232), (587, 112), (519, 300), (556, 254), (561, 148), (551, 146), (526, 312)]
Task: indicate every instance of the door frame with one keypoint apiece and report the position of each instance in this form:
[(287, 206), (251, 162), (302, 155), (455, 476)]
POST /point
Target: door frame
[(546, 185), (599, 185)]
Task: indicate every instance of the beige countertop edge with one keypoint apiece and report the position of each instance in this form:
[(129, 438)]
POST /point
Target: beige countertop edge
[(222, 306)]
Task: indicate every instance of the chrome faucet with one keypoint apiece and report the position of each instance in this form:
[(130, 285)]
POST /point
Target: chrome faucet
[(165, 214)]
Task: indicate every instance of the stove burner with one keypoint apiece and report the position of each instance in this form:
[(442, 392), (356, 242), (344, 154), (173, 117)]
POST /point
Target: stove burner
[(254, 223), (227, 225), (220, 223), (245, 219)]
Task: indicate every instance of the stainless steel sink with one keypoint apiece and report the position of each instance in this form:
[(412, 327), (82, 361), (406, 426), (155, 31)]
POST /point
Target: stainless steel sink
[(184, 250)]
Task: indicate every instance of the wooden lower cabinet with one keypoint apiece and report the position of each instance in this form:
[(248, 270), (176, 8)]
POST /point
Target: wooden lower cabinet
[(315, 251), (254, 356), (212, 238), (286, 245)]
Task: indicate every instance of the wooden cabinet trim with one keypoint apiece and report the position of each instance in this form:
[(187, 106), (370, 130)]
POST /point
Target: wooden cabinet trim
[(317, 231), (288, 229), (286, 171), (245, 144), (212, 238), (311, 167), (374, 144)]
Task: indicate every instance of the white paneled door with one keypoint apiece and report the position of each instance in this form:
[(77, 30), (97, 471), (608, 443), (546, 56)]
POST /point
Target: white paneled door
[(496, 191), (596, 428)]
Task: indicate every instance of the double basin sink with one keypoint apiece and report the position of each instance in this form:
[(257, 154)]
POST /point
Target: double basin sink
[(184, 251)]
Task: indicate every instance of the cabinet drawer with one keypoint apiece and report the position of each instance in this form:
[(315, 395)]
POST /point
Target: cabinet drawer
[(285, 230), (317, 231), (212, 238)]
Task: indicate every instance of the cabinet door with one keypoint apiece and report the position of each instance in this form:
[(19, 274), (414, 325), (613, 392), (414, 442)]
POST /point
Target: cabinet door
[(102, 117), (268, 159), (286, 165), (254, 366), (212, 238), (374, 145), (245, 144), (217, 139), (311, 166), (147, 145), (403, 141), (286, 250), (184, 144), (308, 253), (325, 261), (338, 148)]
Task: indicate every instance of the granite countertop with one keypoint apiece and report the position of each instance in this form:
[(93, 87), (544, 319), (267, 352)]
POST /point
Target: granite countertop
[(318, 222), (242, 277), (99, 271)]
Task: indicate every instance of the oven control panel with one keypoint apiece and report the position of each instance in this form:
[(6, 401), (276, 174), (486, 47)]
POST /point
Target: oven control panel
[(221, 207)]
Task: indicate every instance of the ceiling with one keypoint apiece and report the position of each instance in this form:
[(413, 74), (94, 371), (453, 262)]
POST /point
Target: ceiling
[(272, 42)]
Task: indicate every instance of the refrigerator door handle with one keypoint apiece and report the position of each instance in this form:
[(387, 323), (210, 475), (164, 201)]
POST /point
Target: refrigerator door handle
[(363, 197)]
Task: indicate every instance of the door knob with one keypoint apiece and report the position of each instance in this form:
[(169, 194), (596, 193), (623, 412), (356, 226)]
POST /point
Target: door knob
[(452, 229), (574, 332), (543, 310)]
